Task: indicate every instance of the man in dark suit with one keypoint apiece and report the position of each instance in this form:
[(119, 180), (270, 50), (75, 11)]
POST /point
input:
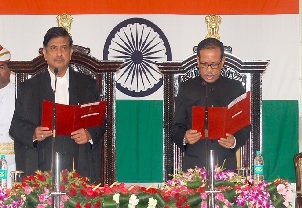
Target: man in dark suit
[(33, 142), (220, 92)]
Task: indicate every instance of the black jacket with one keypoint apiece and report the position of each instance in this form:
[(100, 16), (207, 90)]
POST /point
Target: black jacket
[(220, 94), (27, 116)]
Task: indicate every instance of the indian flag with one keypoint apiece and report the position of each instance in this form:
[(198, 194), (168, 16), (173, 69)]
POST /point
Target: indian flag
[(143, 32)]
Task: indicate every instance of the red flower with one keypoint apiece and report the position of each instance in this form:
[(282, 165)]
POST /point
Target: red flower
[(41, 177), (65, 172), (78, 205), (27, 179), (97, 204), (72, 192), (107, 189), (75, 175), (149, 190), (17, 185), (134, 189), (120, 188), (64, 179), (180, 200), (73, 184), (84, 180), (97, 191), (63, 187), (88, 191), (88, 205), (166, 198), (201, 189)]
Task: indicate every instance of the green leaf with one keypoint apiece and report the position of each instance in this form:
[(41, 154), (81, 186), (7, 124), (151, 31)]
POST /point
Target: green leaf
[(143, 198), (108, 202), (272, 188), (277, 200), (124, 199), (224, 183), (160, 200), (236, 206), (71, 203), (194, 184), (230, 195), (32, 199), (194, 199)]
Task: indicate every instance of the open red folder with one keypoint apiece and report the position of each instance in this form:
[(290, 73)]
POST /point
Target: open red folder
[(222, 120), (73, 117)]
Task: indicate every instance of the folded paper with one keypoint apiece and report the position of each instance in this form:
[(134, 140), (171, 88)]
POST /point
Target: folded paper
[(222, 120), (70, 118)]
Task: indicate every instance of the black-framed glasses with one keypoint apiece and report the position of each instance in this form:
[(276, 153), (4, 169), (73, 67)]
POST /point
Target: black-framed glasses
[(205, 65)]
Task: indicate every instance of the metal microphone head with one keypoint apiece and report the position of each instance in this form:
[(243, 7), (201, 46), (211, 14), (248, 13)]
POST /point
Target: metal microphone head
[(56, 71)]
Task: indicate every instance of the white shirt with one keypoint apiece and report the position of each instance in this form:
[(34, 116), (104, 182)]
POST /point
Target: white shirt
[(62, 93), (7, 107)]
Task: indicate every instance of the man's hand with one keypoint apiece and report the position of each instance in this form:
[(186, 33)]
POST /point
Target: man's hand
[(81, 136), (41, 133), (227, 142), (192, 136)]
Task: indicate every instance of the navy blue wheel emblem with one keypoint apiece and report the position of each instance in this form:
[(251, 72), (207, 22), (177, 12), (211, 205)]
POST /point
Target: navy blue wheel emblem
[(140, 44)]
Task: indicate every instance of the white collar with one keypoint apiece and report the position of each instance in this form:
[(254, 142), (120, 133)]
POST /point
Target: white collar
[(59, 79)]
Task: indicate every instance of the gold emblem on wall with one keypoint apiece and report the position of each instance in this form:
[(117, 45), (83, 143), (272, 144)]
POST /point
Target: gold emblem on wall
[(65, 20), (213, 22)]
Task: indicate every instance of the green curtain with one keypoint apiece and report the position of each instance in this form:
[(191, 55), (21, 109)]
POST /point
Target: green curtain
[(139, 140), (280, 138)]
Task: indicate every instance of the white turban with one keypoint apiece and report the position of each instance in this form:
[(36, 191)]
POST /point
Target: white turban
[(4, 54)]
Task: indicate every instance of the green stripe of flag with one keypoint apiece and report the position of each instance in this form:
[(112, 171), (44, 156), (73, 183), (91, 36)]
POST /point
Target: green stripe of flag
[(280, 138), (139, 140)]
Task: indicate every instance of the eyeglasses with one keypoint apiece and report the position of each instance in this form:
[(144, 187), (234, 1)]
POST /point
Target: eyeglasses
[(54, 48), (205, 65)]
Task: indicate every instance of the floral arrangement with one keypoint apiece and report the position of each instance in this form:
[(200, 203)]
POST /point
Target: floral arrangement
[(185, 190)]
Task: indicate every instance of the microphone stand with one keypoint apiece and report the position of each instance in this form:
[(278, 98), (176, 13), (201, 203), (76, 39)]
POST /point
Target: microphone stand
[(206, 124), (210, 158), (55, 170)]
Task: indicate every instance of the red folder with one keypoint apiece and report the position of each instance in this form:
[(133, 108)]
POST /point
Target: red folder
[(73, 117), (222, 120)]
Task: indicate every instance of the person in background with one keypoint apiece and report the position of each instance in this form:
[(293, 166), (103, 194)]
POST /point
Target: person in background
[(7, 107), (221, 91), (80, 151)]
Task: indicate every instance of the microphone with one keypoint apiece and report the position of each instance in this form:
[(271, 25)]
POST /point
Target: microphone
[(209, 151), (206, 118), (56, 71), (55, 156)]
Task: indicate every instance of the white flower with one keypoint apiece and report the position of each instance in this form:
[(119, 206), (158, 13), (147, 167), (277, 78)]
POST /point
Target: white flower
[(152, 203), (133, 201), (116, 198), (281, 189), (286, 192)]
